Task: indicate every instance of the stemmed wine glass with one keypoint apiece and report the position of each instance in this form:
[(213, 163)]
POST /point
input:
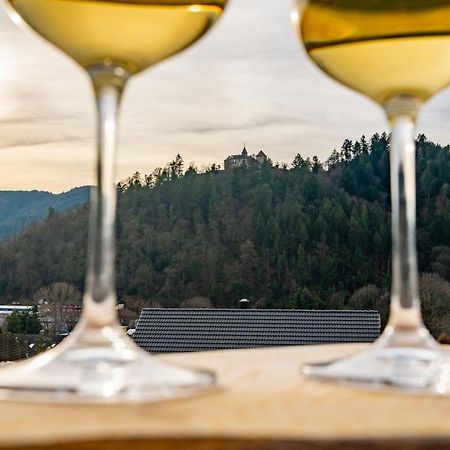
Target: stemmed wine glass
[(397, 53), (112, 40)]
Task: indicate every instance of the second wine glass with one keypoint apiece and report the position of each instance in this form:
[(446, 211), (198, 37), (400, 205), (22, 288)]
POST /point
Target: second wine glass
[(112, 40), (396, 53)]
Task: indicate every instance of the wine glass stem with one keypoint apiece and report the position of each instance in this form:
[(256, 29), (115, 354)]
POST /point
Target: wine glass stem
[(100, 292), (405, 303)]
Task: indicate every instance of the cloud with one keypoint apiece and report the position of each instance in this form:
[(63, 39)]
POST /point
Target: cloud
[(34, 142)]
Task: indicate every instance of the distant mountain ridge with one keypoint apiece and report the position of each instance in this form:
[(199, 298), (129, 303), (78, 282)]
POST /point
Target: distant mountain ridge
[(20, 208)]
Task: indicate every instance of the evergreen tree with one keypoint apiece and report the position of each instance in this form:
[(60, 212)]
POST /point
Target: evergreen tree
[(23, 322)]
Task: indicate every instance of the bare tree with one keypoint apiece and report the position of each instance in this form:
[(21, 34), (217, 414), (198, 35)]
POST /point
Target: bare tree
[(61, 293), (435, 299), (198, 302)]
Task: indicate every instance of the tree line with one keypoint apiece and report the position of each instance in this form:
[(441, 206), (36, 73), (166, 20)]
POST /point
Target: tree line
[(307, 235)]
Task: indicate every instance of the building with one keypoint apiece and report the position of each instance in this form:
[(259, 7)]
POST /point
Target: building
[(244, 159), (58, 318), (189, 330), (6, 310), (261, 157)]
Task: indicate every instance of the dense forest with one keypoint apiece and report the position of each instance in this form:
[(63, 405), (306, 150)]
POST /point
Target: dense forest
[(305, 235)]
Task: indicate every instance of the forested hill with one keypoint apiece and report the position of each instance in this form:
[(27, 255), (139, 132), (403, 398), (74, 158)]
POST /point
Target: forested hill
[(297, 236), (20, 208)]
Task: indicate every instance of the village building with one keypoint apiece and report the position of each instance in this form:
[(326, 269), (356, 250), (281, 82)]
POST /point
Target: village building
[(58, 318)]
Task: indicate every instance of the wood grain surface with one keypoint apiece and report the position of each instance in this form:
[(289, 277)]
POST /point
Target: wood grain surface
[(262, 403)]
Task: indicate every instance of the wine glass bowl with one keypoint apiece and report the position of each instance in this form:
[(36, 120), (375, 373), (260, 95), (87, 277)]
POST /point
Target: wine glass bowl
[(381, 49), (394, 52), (112, 40), (133, 35)]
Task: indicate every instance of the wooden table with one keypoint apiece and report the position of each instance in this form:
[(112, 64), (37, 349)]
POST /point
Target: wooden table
[(263, 404)]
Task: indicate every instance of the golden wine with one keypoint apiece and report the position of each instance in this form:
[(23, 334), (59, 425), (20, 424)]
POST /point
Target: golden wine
[(133, 34), (382, 48)]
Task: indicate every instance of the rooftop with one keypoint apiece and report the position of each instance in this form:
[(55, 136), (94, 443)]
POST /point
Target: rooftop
[(188, 330)]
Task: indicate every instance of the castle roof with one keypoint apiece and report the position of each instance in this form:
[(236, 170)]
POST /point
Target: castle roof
[(236, 157), (261, 153)]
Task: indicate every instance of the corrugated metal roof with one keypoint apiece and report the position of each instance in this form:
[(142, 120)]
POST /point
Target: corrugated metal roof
[(187, 330)]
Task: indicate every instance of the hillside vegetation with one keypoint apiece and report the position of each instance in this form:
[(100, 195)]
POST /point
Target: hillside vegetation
[(20, 208), (305, 235)]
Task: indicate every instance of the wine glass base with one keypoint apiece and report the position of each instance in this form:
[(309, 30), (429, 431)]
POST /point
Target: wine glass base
[(99, 366), (408, 369)]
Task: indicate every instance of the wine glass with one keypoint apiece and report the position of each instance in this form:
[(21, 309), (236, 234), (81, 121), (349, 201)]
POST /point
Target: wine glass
[(395, 52), (112, 40)]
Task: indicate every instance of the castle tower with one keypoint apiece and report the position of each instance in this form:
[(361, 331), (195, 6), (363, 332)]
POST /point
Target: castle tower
[(261, 157)]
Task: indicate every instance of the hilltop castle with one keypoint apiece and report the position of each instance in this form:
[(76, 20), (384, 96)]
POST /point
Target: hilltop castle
[(244, 159)]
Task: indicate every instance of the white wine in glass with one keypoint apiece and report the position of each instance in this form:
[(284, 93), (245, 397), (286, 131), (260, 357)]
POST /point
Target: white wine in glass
[(397, 53), (112, 40)]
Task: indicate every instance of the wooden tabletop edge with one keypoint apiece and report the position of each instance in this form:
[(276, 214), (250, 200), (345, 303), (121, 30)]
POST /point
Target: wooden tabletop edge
[(233, 443)]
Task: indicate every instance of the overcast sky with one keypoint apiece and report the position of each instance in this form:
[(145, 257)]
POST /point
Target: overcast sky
[(247, 81)]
